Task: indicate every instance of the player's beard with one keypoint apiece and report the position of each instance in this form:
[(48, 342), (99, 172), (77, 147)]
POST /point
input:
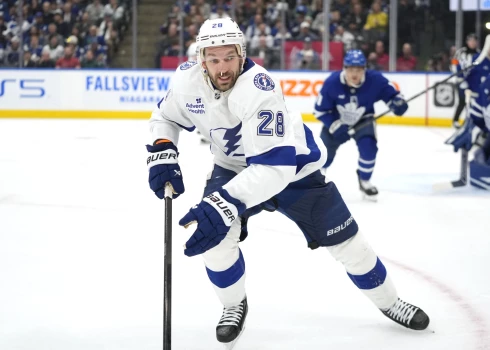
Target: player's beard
[(231, 78)]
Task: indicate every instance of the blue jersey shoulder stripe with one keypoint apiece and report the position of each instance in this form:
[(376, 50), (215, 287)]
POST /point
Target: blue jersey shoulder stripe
[(313, 156), (284, 155)]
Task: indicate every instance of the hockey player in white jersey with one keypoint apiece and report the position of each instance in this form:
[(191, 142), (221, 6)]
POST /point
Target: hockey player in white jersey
[(264, 158)]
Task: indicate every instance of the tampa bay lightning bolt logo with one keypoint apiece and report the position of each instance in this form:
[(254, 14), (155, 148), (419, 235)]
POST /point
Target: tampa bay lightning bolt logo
[(264, 82), (187, 65), (228, 140)]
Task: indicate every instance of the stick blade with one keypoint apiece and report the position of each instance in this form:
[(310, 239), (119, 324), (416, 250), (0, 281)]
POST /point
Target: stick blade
[(446, 186)]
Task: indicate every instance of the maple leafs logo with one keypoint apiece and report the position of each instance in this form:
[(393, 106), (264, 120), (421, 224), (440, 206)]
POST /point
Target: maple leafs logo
[(350, 113)]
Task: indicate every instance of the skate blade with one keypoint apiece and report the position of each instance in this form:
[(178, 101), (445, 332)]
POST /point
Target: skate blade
[(367, 198), (231, 345)]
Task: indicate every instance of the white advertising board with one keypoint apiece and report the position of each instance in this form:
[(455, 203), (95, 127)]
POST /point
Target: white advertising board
[(135, 93)]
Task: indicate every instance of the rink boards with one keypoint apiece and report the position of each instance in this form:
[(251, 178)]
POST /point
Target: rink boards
[(133, 94)]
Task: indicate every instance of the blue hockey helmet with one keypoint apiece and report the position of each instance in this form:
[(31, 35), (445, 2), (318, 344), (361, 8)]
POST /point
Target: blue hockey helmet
[(354, 58)]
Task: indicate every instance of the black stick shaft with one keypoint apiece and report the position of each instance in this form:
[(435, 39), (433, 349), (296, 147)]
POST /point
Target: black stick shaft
[(167, 279), (363, 124)]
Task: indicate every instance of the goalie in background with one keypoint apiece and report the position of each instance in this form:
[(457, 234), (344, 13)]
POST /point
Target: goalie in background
[(347, 99), (463, 58), (463, 138)]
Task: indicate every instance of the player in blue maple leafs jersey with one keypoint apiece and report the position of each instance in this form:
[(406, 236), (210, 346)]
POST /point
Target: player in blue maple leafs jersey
[(347, 99)]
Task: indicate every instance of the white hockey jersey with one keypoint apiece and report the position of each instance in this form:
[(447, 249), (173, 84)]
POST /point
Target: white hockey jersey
[(249, 127)]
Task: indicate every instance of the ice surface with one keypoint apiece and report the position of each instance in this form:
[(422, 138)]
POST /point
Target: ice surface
[(81, 248)]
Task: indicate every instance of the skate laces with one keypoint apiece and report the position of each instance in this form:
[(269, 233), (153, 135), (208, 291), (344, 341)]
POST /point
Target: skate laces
[(231, 315), (402, 311)]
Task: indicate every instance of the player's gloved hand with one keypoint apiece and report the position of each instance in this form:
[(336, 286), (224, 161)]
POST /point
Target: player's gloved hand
[(462, 138), (398, 105), (339, 131), (163, 167), (214, 216)]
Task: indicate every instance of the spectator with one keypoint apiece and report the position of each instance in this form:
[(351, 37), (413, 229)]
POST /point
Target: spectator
[(95, 12), (372, 61), (52, 31), (280, 33), (268, 54), (342, 7), (3, 28), (47, 15), (376, 23), (116, 10), (204, 8), (92, 37), (356, 19), (89, 61), (46, 61), (262, 31), (345, 37), (62, 28), (305, 32), (72, 41), (167, 41), (383, 58), (68, 17), (39, 22), (407, 61), (54, 48), (34, 47), (28, 61), (12, 53), (83, 26), (307, 58), (220, 13), (255, 27), (299, 18), (406, 15), (68, 60)]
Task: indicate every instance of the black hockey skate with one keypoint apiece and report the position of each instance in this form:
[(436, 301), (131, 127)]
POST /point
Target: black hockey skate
[(367, 188), (232, 323), (407, 315)]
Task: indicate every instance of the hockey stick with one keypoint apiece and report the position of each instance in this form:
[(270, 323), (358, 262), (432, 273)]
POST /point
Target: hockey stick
[(463, 177), (479, 59), (167, 277)]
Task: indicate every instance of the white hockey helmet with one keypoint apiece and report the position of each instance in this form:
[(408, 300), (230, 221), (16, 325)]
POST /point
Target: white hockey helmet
[(220, 32)]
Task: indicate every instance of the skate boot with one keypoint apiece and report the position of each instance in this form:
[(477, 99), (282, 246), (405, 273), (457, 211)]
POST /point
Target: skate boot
[(456, 124), (232, 323), (370, 192), (407, 315)]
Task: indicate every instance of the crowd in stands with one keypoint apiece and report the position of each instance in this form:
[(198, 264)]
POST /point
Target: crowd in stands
[(61, 34), (356, 24)]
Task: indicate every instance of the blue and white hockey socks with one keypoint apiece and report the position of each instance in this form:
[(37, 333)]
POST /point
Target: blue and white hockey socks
[(366, 270), (226, 268)]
